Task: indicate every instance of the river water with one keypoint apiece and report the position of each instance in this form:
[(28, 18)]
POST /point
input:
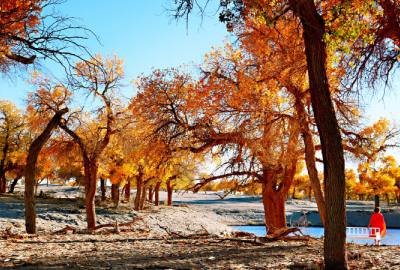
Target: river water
[(392, 235)]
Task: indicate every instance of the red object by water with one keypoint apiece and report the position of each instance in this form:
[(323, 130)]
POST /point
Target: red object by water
[(378, 221)]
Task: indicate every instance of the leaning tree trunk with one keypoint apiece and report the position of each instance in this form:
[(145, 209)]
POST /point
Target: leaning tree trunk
[(30, 171), (328, 128), (169, 193), (103, 189), (310, 159), (157, 194), (13, 184), (115, 193)]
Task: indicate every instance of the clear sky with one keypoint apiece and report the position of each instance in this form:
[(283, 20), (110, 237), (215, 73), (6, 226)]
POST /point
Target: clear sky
[(143, 34)]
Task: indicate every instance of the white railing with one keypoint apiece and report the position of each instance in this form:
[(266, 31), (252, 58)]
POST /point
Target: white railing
[(363, 232)]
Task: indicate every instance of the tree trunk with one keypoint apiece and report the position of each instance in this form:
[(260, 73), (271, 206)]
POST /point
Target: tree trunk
[(13, 184), (169, 193), (30, 171), (151, 192), (310, 158), (294, 193), (143, 197), (115, 193), (274, 204), (274, 210), (103, 189), (3, 182), (376, 200), (157, 194), (91, 168), (139, 182), (387, 199), (36, 188), (331, 141), (128, 190)]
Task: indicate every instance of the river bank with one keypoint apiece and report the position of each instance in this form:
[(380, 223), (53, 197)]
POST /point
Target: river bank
[(248, 210)]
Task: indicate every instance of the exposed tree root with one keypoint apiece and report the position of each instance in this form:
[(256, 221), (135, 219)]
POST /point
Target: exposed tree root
[(115, 225)]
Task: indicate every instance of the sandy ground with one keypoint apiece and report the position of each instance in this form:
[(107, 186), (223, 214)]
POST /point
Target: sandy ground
[(161, 237), (54, 214), (140, 251)]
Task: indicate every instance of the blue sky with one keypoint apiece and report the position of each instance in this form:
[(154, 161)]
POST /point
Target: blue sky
[(140, 32)]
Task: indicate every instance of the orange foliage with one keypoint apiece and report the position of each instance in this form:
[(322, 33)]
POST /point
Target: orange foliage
[(18, 18)]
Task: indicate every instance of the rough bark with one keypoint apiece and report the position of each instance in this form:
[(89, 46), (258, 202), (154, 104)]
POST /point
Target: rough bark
[(115, 193), (103, 189), (310, 159), (90, 167), (157, 194), (30, 171), (169, 192), (274, 210), (331, 141), (274, 196)]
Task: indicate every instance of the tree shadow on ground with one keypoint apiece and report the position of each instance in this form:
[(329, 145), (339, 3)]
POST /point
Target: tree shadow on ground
[(197, 256)]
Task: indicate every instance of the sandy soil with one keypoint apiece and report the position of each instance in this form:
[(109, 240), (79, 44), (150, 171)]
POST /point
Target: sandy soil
[(54, 214), (140, 251)]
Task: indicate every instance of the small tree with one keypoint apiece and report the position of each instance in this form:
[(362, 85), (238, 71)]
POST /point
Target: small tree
[(99, 78)]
